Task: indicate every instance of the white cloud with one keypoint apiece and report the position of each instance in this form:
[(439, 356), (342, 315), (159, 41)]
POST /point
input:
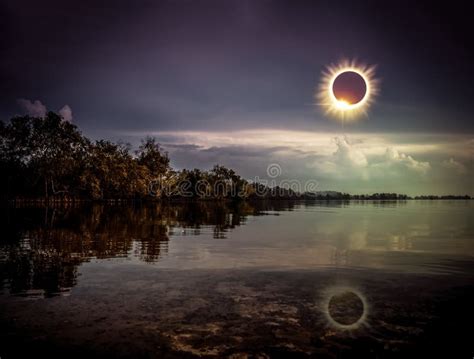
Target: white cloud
[(455, 166), (349, 155), (396, 160), (66, 113), (34, 109), (347, 161), (350, 161), (360, 163)]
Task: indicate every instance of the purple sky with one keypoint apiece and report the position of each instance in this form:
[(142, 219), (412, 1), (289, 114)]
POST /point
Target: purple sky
[(201, 74)]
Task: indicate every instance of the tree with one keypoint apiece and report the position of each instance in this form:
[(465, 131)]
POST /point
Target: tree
[(47, 150), (15, 140), (151, 155), (111, 172), (56, 152)]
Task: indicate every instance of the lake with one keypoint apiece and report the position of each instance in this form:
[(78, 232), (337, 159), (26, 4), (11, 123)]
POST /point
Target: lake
[(379, 279)]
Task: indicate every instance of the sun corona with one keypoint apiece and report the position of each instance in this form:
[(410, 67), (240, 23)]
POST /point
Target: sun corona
[(347, 90)]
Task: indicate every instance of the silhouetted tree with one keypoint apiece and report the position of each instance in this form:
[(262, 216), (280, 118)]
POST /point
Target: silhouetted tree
[(41, 150), (151, 156)]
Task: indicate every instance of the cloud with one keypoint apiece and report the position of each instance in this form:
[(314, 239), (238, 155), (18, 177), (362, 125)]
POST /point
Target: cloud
[(346, 161), (470, 147), (360, 163), (320, 156), (396, 160), (455, 166), (37, 109), (34, 109), (351, 161), (348, 155), (66, 113)]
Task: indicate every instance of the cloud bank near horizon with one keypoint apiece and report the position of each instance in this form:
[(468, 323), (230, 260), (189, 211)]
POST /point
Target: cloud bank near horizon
[(356, 163), (410, 163)]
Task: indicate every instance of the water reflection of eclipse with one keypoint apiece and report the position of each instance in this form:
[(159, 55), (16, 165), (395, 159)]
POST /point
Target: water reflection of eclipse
[(345, 308)]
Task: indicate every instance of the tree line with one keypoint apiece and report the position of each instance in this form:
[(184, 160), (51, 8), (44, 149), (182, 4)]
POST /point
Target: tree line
[(49, 158)]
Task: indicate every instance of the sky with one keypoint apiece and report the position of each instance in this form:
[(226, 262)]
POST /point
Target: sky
[(234, 81)]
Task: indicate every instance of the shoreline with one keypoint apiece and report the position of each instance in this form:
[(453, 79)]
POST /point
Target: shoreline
[(59, 202)]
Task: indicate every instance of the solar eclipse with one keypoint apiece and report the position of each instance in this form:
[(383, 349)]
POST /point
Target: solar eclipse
[(347, 90)]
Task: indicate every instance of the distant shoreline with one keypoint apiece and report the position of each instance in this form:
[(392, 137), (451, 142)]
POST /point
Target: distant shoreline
[(52, 202)]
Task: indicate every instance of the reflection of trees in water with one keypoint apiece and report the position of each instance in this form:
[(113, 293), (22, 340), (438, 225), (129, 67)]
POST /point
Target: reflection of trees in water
[(43, 248)]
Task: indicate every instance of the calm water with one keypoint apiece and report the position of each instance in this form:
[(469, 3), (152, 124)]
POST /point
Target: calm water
[(378, 279)]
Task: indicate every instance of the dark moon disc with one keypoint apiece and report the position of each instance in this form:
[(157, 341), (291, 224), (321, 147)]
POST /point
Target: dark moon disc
[(346, 308), (350, 87)]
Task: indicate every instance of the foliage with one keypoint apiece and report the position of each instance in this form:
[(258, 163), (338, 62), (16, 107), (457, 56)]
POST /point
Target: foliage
[(43, 157)]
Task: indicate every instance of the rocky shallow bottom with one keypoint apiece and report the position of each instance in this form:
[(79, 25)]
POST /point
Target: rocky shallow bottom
[(142, 312)]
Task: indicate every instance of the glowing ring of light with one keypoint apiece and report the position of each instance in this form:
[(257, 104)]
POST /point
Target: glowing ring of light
[(346, 105), (333, 291), (340, 109)]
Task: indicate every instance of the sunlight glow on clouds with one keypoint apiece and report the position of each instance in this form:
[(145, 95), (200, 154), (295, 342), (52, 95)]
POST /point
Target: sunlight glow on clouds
[(359, 163), (454, 165), (349, 161)]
